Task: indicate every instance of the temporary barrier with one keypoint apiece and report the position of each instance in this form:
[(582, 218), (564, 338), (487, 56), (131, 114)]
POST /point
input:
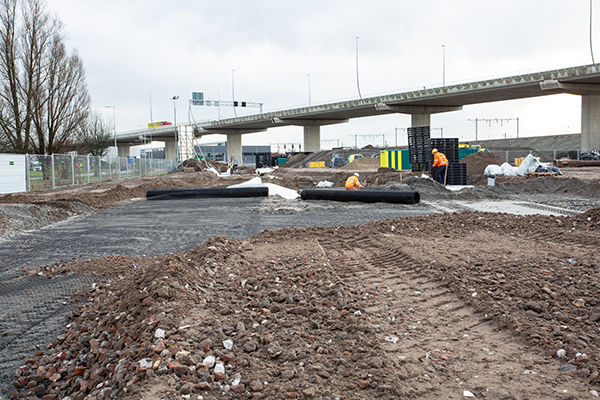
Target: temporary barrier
[(365, 196), (171, 194), (396, 159)]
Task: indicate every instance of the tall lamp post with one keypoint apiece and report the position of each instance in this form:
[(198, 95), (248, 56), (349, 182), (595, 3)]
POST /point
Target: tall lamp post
[(357, 83), (308, 89), (174, 98), (444, 65), (114, 128), (151, 127)]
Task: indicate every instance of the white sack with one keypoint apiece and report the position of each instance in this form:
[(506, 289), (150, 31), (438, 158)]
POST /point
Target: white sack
[(493, 169)]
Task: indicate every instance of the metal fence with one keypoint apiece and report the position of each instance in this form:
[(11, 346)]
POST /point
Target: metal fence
[(544, 155), (60, 170)]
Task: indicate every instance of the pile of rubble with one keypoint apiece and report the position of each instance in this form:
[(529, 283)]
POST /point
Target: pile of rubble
[(209, 320)]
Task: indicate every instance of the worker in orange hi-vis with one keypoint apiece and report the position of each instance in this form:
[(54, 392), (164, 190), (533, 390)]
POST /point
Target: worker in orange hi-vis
[(352, 183), (440, 161)]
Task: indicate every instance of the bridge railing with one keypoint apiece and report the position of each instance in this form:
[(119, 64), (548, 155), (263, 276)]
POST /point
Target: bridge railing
[(61, 170)]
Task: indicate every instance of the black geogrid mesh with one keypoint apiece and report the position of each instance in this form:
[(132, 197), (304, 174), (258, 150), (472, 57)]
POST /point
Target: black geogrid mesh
[(34, 309)]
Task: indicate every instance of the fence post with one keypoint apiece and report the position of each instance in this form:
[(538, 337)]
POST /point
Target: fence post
[(27, 168), (53, 181), (73, 169), (109, 167), (506, 158), (88, 168)]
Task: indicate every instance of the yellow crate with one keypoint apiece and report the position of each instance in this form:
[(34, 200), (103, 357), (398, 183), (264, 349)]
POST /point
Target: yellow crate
[(322, 164), (518, 161)]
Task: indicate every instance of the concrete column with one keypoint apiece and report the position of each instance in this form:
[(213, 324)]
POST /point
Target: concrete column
[(123, 150), (420, 120), (312, 138), (170, 149), (234, 147), (590, 122)]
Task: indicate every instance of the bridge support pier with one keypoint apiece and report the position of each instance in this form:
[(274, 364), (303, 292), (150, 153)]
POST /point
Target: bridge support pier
[(234, 147), (312, 138), (590, 122), (312, 129), (420, 120), (123, 150), (170, 149)]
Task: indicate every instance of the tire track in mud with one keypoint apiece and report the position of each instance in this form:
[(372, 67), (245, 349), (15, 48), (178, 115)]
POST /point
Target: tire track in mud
[(435, 343)]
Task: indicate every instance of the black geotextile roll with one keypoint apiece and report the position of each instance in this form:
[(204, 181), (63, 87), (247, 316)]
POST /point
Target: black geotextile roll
[(366, 196), (172, 194)]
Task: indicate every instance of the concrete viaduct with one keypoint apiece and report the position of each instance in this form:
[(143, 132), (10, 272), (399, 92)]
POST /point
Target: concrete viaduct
[(420, 104)]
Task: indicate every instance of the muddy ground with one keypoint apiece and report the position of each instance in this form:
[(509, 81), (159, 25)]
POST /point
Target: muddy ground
[(471, 304)]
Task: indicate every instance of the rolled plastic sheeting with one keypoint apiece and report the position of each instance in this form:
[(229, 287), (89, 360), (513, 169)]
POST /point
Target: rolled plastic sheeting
[(171, 194), (365, 196)]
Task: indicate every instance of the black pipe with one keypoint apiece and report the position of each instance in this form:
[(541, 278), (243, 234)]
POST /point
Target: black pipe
[(365, 196), (171, 194)]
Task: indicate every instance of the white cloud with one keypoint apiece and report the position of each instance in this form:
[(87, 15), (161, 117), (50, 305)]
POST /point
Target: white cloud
[(175, 47)]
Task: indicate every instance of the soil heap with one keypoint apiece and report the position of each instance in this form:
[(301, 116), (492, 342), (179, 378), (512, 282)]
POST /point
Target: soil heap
[(477, 162)]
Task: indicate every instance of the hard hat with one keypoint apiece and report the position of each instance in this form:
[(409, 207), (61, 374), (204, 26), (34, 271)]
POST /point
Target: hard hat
[(434, 151), (356, 174)]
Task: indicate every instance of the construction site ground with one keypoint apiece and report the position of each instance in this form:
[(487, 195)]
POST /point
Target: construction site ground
[(486, 292)]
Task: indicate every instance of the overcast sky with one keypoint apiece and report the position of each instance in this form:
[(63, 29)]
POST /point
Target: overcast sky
[(138, 54)]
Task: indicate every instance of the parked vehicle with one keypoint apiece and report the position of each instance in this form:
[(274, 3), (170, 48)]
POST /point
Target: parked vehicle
[(337, 162), (591, 155), (353, 157)]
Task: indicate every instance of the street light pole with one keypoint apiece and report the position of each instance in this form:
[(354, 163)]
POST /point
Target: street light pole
[(308, 89), (174, 98), (233, 91), (444, 66), (357, 83), (114, 128), (151, 127)]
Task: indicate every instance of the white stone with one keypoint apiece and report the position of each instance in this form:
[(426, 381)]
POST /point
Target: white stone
[(209, 361), (228, 344), (219, 368), (159, 334)]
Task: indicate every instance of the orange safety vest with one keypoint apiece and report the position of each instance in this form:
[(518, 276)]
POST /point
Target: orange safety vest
[(439, 159), (352, 181)]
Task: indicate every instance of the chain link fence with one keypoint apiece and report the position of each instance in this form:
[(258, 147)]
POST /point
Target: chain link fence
[(544, 155), (60, 170)]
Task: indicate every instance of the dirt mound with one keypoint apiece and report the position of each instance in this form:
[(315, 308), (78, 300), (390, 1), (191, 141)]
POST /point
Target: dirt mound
[(363, 164), (295, 161), (477, 162), (320, 312), (199, 165)]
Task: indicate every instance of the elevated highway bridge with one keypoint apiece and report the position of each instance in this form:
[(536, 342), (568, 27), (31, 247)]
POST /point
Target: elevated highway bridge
[(420, 104)]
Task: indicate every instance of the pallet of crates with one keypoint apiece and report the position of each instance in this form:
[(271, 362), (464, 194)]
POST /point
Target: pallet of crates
[(457, 174)]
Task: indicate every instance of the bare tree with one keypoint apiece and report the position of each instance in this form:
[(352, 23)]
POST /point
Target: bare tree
[(43, 95), (95, 136)]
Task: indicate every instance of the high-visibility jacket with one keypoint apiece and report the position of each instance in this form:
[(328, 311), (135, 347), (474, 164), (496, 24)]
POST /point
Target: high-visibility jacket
[(439, 159), (352, 182)]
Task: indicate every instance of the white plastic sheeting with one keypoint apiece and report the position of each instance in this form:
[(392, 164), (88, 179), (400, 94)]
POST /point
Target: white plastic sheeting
[(529, 164), (273, 189)]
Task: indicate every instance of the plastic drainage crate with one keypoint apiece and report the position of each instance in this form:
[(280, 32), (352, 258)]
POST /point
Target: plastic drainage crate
[(457, 174), (447, 146), (420, 167)]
